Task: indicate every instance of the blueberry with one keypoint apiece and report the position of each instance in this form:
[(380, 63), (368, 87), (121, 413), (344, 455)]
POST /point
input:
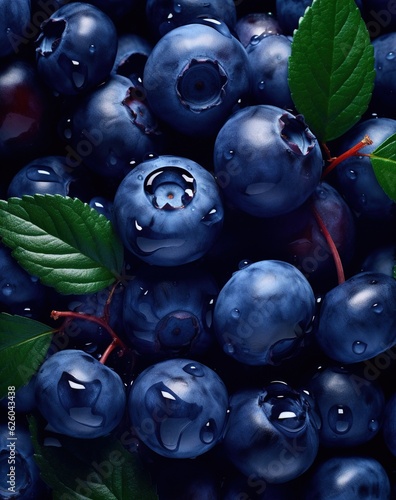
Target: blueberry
[(352, 311), (132, 53), (20, 293), (351, 407), (168, 311), (347, 477), (20, 474), (76, 48), (178, 408), (14, 24), (168, 211), (288, 13), (50, 175), (256, 24), (195, 76), (381, 260), (263, 312), (110, 129), (79, 396), (271, 433), (355, 176), (165, 15), (268, 61), (267, 162), (389, 427)]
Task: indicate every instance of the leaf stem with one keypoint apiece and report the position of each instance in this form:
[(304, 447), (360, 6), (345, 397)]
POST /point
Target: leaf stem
[(354, 151), (330, 242)]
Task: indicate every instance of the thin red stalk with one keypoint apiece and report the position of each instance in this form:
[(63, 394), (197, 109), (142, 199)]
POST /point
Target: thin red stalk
[(354, 151), (333, 248), (110, 348)]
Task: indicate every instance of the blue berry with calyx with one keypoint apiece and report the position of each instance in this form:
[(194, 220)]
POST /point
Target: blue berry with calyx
[(357, 318), (168, 312), (110, 129), (178, 408), (78, 396), (268, 61), (263, 313), (345, 477), (168, 211), (267, 162), (350, 407), (76, 48), (195, 76), (271, 433), (165, 15)]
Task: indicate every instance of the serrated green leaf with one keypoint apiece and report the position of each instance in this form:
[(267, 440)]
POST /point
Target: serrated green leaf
[(99, 469), (23, 345), (66, 243), (331, 67), (383, 161)]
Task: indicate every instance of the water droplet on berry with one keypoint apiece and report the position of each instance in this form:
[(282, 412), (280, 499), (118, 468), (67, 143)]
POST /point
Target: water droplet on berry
[(244, 263), (261, 85), (363, 199), (351, 174), (377, 308), (255, 40), (7, 289), (42, 174), (340, 419), (390, 56), (34, 279), (359, 347), (112, 159), (194, 369), (229, 349), (140, 177), (208, 432), (177, 7), (67, 133), (373, 425), (228, 155), (235, 313), (92, 48)]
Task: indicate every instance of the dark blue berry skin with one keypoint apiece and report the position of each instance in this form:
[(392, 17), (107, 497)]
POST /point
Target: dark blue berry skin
[(167, 312), (297, 237), (256, 24), (76, 48), (266, 160), (268, 61), (78, 396), (50, 175), (238, 486), (389, 425), (263, 312), (288, 13), (195, 76), (178, 408), (355, 176), (271, 433), (383, 98), (347, 477), (351, 408), (20, 293), (14, 21), (168, 211), (111, 129), (357, 318), (18, 453), (381, 260), (166, 15)]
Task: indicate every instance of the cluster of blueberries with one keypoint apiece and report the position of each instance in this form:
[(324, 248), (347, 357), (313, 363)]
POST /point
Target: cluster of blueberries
[(253, 370)]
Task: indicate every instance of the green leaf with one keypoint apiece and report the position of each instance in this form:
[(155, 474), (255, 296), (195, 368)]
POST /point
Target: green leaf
[(99, 469), (383, 161), (62, 241), (23, 345), (331, 67)]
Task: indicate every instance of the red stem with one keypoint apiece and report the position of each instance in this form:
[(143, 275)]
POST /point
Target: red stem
[(354, 151), (333, 248), (100, 321)]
